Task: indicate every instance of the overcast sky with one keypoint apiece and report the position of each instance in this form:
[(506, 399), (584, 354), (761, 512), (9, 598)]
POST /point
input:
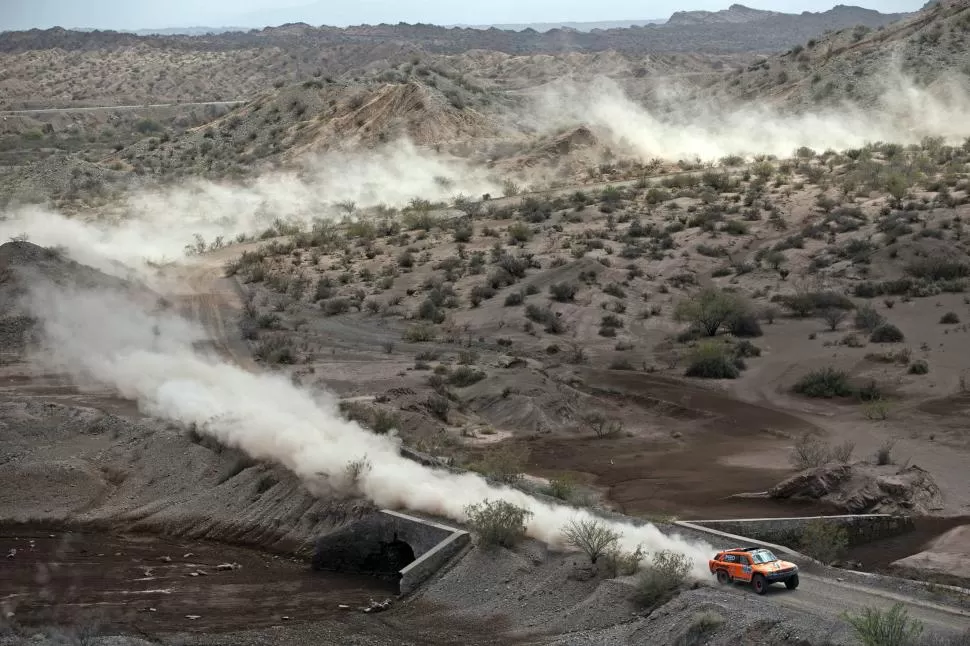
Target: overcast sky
[(141, 14)]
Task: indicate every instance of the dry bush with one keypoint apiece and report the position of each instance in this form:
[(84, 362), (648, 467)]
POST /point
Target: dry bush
[(593, 537), (810, 452), (661, 580)]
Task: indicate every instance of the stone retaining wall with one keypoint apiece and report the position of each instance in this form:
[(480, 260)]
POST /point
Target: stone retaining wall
[(861, 529)]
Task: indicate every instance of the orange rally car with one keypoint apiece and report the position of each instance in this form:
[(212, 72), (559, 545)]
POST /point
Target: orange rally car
[(754, 565)]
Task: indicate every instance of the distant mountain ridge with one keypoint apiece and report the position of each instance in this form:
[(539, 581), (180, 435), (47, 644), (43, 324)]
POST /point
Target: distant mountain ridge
[(736, 13)]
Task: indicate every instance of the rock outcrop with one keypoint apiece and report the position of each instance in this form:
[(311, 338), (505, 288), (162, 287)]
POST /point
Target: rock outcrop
[(864, 488)]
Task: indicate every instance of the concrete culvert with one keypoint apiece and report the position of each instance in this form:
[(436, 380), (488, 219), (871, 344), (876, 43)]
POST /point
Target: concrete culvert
[(391, 546)]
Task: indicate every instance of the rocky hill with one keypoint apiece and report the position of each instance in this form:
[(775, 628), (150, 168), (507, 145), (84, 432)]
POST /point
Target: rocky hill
[(58, 67), (736, 13), (928, 49)]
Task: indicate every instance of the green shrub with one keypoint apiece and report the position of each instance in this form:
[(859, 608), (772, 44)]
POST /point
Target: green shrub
[(438, 406), (744, 324), (563, 292), (498, 522), (660, 582), (513, 299), (919, 367), (712, 361), (950, 318), (824, 383), (868, 319), (886, 333), (892, 627), (419, 333), (710, 309), (464, 376), (824, 540)]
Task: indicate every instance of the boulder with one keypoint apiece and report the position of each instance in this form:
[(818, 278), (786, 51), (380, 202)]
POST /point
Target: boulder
[(863, 488)]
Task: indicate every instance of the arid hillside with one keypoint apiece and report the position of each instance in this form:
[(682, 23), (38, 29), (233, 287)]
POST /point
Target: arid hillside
[(57, 67), (860, 64)]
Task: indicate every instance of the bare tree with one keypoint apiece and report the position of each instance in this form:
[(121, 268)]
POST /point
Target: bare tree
[(833, 316), (594, 537)]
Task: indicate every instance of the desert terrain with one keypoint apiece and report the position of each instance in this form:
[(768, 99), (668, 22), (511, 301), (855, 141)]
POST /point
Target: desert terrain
[(257, 286)]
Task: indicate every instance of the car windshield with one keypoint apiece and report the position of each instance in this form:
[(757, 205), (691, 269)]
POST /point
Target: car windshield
[(763, 556)]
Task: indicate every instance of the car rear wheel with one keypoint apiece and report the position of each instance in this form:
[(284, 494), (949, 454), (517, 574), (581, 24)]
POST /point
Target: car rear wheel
[(723, 577), (792, 582), (759, 584)]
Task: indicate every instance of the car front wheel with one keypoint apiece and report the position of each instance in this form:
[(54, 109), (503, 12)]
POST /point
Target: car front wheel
[(792, 582), (759, 584)]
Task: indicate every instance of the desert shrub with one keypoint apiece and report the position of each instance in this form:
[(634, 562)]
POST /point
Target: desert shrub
[(810, 452), (745, 349), (661, 580), (464, 376), (884, 454), (545, 316), (712, 361), (513, 299), (868, 319), (593, 537), (806, 303), (950, 318), (710, 309), (334, 306), (886, 333), (504, 463), (621, 563), (833, 316), (938, 269), (438, 406), (919, 367), (824, 540), (614, 290), (497, 522), (890, 627), (876, 410), (601, 425), (419, 333), (825, 383), (561, 488), (744, 324), (563, 292)]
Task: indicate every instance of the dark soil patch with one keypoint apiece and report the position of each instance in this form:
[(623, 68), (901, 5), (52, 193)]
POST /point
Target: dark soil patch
[(152, 585)]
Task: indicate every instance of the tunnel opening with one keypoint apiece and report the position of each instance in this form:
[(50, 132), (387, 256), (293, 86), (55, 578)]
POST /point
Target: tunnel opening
[(383, 559), (390, 546)]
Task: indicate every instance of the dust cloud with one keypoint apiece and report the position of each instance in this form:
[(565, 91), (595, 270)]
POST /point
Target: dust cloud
[(156, 225), (679, 128), (269, 418)]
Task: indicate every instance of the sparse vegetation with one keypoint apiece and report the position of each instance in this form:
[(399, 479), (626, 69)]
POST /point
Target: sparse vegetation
[(497, 523), (595, 538), (824, 383), (885, 627), (661, 579), (810, 452), (710, 309)]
